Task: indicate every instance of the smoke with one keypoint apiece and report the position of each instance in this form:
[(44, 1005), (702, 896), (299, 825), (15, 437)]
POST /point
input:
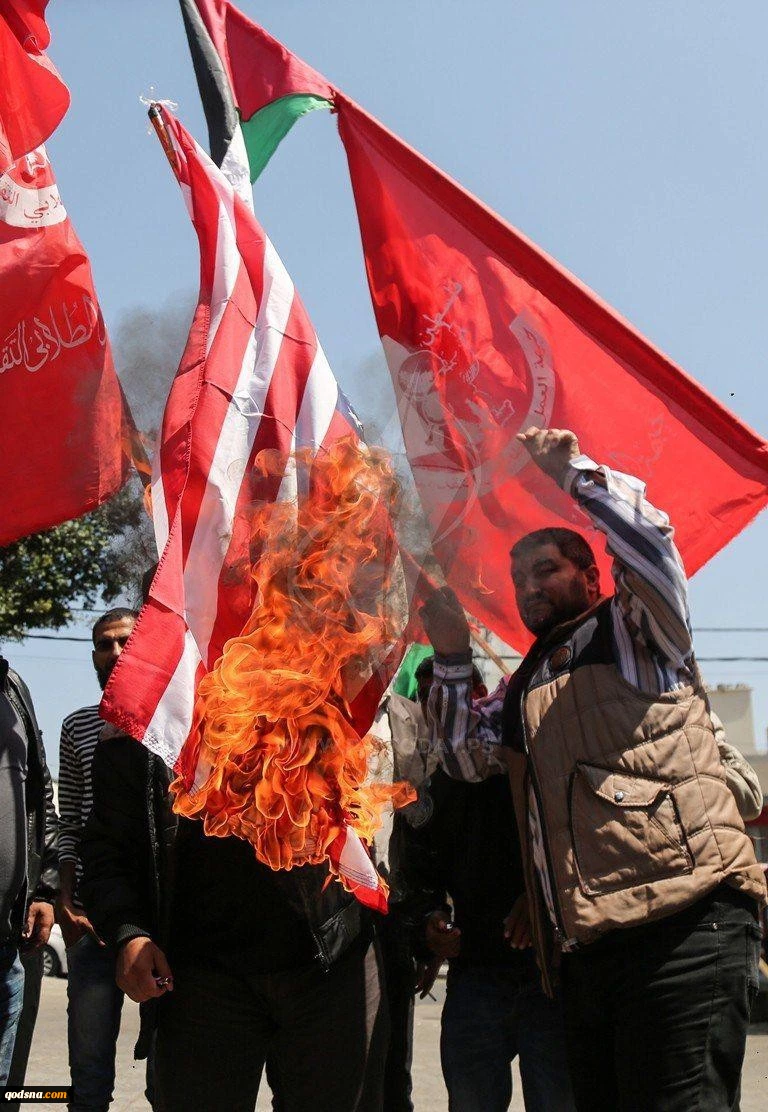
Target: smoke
[(148, 343), (368, 386), (147, 346)]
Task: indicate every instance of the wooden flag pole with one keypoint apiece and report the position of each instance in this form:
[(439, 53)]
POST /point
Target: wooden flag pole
[(486, 648)]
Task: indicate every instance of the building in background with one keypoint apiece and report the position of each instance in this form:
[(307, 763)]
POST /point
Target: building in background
[(733, 703)]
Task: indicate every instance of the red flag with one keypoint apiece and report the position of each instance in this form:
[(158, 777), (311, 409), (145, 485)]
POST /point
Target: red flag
[(62, 449), (484, 336), (33, 98)]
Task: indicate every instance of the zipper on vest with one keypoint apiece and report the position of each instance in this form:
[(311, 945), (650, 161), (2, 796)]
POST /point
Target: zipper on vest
[(559, 930)]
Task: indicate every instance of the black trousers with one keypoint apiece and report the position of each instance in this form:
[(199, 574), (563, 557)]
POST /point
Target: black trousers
[(657, 1016), (400, 979), (325, 1034)]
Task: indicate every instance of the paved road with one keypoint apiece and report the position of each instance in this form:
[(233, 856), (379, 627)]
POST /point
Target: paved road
[(48, 1062)]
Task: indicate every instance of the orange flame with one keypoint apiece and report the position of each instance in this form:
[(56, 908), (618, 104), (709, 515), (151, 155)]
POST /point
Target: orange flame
[(272, 722)]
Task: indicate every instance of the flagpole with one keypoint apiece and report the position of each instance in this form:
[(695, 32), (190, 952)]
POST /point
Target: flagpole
[(158, 123), (417, 571), (489, 652)]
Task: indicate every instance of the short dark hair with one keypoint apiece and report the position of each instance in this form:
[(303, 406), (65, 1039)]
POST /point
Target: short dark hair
[(116, 615), (146, 581), (568, 543), (425, 670)]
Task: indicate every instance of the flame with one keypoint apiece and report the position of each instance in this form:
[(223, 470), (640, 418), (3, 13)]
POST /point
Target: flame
[(272, 720)]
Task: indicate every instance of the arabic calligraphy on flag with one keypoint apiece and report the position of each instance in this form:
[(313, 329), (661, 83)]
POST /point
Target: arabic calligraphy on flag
[(37, 340), (62, 451)]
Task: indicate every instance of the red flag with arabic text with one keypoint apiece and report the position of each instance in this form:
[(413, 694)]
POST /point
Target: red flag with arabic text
[(62, 445), (485, 336)]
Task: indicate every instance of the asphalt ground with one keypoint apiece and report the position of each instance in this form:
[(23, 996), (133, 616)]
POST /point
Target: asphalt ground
[(48, 1060)]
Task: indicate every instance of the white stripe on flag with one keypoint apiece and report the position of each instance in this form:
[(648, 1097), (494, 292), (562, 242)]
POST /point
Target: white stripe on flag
[(170, 724), (159, 508), (213, 532), (210, 542), (227, 267), (228, 259), (236, 168), (318, 406)]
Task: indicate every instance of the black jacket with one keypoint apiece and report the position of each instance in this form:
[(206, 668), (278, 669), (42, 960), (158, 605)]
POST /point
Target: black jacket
[(127, 853), (468, 849), (42, 823), (127, 856)]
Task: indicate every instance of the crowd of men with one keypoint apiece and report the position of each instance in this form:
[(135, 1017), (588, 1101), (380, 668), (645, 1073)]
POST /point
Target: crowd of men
[(575, 852)]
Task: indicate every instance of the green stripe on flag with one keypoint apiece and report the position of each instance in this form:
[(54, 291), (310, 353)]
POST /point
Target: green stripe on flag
[(405, 680), (266, 128)]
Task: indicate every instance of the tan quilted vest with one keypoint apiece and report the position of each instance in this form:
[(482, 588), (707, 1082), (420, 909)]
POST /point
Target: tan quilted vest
[(638, 819)]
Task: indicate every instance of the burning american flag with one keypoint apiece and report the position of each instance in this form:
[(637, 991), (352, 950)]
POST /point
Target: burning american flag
[(273, 598)]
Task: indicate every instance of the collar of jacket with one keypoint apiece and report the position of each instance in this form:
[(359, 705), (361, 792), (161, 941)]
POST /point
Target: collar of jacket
[(561, 632)]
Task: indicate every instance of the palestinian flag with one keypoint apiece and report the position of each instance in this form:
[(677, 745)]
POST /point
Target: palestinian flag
[(252, 89)]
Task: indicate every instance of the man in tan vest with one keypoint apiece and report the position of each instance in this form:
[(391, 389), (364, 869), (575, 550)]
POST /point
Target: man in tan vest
[(643, 886)]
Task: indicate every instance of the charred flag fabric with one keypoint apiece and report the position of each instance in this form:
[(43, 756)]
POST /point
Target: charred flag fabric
[(62, 448), (253, 389), (485, 336)]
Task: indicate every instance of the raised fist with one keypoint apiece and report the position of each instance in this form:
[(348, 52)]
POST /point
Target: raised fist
[(551, 449), (445, 623)]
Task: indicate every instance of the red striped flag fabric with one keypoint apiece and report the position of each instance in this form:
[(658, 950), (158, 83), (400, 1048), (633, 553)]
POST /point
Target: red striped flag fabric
[(253, 377)]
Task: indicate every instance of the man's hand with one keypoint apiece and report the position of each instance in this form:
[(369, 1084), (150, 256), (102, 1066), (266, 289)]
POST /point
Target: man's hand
[(442, 937), (74, 922), (142, 970), (37, 929), (517, 925), (551, 449), (445, 623), (426, 975)]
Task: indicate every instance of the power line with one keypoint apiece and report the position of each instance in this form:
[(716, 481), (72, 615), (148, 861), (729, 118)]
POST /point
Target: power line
[(55, 637), (730, 629), (731, 659), (67, 662)]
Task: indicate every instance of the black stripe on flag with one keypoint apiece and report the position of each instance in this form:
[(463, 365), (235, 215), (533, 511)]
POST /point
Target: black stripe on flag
[(212, 81)]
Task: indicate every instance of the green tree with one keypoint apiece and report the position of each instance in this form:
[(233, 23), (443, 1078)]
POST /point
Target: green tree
[(91, 561)]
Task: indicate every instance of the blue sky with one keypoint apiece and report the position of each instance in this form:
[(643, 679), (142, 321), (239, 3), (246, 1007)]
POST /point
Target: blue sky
[(628, 140)]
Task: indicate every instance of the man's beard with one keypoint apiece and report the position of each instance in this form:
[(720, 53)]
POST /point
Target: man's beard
[(554, 614), (103, 674)]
